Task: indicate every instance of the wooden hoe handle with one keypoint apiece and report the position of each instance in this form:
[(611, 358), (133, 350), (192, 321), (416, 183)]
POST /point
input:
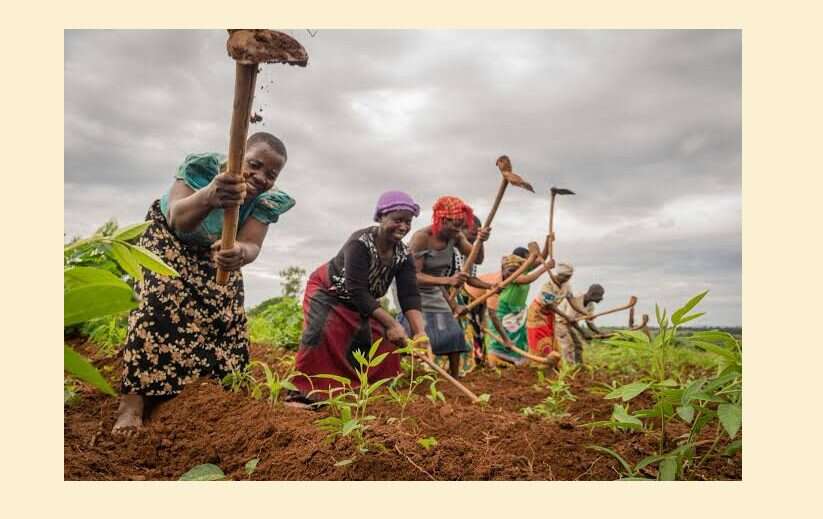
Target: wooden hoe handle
[(244, 81), (522, 268), (510, 345), (443, 373)]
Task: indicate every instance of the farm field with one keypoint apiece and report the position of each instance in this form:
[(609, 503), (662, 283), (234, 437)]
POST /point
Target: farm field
[(210, 425)]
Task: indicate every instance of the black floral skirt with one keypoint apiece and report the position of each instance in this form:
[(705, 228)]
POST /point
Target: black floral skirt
[(185, 327)]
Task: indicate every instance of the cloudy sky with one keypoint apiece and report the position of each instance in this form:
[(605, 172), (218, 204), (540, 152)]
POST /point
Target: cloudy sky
[(644, 125)]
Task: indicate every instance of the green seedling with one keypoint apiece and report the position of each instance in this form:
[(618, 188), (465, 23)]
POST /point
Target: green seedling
[(427, 443), (348, 406), (274, 383), (554, 405), (241, 380), (251, 466), (435, 395)]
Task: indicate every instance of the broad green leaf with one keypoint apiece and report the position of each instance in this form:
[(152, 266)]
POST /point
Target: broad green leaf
[(648, 460), (374, 387), (731, 417), (668, 469), (349, 426), (92, 293), (205, 472), (714, 348), (677, 316), (288, 385), (79, 367), (77, 277), (131, 232), (151, 261), (733, 447), (336, 378), (621, 415), (725, 338), (686, 412), (379, 359), (126, 261), (375, 345), (691, 317), (251, 465), (628, 391)]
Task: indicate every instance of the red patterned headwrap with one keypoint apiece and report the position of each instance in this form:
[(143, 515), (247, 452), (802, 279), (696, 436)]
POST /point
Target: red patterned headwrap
[(453, 208)]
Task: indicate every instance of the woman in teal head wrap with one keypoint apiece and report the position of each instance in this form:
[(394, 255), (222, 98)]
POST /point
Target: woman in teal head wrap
[(189, 326)]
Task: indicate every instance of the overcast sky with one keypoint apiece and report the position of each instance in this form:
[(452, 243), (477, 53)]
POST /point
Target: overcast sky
[(644, 125)]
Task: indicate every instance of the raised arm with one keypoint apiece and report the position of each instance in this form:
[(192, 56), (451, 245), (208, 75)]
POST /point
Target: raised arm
[(419, 243)]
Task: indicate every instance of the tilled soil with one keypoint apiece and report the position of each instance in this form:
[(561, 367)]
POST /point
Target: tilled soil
[(206, 424)]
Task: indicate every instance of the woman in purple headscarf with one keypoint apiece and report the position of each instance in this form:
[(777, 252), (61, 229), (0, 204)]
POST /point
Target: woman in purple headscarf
[(341, 312)]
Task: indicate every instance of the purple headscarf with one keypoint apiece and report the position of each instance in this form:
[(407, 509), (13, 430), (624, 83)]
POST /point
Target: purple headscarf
[(395, 201)]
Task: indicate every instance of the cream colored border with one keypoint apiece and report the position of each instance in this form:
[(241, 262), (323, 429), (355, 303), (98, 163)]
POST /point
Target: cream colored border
[(782, 89)]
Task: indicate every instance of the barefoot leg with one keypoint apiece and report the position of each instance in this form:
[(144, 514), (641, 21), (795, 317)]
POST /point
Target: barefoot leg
[(130, 415)]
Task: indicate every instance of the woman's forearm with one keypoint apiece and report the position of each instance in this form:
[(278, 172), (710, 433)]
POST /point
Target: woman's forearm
[(384, 317), (478, 283), (416, 323), (427, 280), (188, 212)]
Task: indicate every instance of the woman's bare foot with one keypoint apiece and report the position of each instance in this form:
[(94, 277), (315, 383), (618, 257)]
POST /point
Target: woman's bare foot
[(130, 415)]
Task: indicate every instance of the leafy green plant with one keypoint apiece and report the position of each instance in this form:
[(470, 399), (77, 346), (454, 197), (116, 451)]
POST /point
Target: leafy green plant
[(278, 324), (239, 380), (107, 333), (348, 406), (92, 288), (274, 382), (697, 403), (408, 378), (554, 405)]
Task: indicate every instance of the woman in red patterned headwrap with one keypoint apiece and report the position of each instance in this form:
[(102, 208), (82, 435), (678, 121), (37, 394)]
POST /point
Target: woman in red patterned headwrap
[(434, 248)]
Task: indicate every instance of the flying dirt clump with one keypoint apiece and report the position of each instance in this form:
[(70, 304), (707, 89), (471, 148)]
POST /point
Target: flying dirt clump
[(251, 46), (255, 118)]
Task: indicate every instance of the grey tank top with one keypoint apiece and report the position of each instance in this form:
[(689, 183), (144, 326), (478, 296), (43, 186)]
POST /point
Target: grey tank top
[(435, 263)]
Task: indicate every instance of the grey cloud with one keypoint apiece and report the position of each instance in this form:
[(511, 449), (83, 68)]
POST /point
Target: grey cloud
[(634, 121)]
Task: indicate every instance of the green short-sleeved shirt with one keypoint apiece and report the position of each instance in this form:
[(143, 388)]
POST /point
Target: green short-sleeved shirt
[(197, 171)]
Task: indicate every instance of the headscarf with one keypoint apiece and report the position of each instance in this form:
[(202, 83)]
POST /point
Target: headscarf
[(565, 268), (451, 207), (512, 260), (395, 201)]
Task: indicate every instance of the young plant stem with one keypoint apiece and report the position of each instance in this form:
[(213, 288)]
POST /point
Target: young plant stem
[(711, 448)]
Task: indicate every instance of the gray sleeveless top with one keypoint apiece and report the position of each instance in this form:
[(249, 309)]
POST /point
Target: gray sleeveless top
[(435, 263)]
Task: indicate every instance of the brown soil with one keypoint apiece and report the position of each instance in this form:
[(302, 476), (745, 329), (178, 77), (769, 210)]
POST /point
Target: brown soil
[(251, 46), (206, 424)]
